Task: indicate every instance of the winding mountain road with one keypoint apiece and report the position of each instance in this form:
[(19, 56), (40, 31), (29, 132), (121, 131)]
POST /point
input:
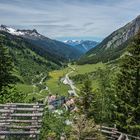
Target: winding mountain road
[(41, 83), (68, 81)]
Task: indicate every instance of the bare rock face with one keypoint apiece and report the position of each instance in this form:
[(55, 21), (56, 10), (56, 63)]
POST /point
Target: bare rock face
[(113, 46), (123, 34)]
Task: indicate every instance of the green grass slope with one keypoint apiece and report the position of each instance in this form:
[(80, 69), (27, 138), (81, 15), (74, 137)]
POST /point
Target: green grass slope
[(29, 60)]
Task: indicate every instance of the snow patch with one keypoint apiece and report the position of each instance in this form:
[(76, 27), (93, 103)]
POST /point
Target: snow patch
[(19, 32), (14, 32)]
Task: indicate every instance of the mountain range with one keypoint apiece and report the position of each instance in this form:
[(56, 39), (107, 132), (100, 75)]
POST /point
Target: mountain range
[(55, 48), (113, 46), (82, 45), (33, 53)]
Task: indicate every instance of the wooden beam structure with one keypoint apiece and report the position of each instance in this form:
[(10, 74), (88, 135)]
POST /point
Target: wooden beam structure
[(20, 120), (23, 121), (113, 134)]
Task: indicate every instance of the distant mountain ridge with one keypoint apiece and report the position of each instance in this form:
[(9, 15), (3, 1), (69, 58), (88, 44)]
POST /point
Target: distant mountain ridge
[(55, 48), (114, 45), (73, 42), (82, 45), (33, 53), (86, 45)]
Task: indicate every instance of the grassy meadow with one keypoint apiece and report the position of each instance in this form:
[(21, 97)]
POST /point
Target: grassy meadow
[(54, 84)]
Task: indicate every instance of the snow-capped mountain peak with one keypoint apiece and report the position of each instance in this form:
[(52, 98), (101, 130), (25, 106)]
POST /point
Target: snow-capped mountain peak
[(11, 30), (19, 32), (73, 42), (82, 45)]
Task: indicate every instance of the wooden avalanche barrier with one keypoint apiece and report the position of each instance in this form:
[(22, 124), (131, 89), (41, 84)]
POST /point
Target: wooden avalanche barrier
[(113, 134), (20, 120)]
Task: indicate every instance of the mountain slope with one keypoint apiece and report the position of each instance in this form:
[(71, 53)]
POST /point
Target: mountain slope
[(29, 60), (112, 46), (55, 48)]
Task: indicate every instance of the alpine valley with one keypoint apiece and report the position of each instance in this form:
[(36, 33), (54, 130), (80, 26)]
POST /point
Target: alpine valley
[(84, 89), (33, 53)]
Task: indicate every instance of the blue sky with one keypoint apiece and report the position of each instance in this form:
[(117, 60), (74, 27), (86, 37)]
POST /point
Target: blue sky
[(69, 19)]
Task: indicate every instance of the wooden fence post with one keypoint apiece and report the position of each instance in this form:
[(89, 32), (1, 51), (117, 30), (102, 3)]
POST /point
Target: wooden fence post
[(20, 119)]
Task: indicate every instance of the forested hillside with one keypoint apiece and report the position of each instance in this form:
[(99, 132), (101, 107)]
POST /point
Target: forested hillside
[(61, 51), (28, 59)]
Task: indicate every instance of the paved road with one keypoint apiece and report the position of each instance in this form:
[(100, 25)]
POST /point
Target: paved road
[(69, 82)]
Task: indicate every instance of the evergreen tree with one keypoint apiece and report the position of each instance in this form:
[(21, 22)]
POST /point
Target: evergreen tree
[(83, 126), (127, 114), (104, 98), (86, 99), (5, 70)]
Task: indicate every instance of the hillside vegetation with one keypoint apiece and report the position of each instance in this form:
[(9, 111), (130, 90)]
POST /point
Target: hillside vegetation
[(28, 60)]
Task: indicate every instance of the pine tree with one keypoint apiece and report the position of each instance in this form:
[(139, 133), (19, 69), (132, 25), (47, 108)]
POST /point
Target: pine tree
[(5, 70), (104, 98), (127, 114), (86, 99)]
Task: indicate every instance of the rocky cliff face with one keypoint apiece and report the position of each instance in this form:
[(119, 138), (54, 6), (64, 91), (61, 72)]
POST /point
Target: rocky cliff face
[(113, 45), (123, 34)]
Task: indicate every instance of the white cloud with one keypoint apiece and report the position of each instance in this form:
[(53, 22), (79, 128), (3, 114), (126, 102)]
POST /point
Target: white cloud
[(64, 18)]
